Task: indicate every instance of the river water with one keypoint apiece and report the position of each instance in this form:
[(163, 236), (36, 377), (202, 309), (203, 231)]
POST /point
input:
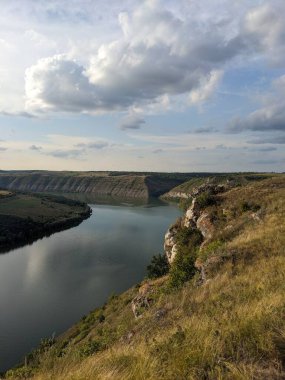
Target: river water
[(47, 286)]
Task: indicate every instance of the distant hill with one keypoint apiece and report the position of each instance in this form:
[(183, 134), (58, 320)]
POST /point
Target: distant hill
[(114, 184)]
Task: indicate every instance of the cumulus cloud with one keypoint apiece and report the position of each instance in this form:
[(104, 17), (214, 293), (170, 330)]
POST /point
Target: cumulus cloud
[(207, 87), (132, 121), (57, 83), (270, 117), (158, 54), (265, 30)]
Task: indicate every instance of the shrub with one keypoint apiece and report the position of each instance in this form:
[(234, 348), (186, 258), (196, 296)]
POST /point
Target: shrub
[(183, 268), (158, 266), (185, 203), (101, 317), (19, 373), (190, 237), (205, 199), (249, 206), (90, 348), (212, 248)]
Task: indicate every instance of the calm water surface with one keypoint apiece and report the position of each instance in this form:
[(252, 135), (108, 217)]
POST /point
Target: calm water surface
[(47, 286)]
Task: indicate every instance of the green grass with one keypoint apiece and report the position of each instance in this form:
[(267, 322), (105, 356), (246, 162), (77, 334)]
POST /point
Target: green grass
[(26, 217), (230, 328), (38, 208)]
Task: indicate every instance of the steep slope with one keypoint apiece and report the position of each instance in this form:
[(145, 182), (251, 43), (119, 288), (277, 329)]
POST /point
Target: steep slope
[(217, 314), (124, 185)]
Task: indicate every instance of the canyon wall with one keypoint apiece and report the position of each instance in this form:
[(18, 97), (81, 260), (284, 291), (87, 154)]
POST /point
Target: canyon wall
[(126, 185)]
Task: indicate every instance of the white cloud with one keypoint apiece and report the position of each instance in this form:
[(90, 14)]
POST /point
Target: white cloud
[(57, 83), (270, 117), (208, 86), (157, 55), (264, 27), (132, 121)]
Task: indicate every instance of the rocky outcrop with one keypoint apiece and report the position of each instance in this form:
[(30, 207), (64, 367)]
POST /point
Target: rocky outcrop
[(192, 215), (195, 217), (142, 300), (170, 246), (205, 226), (176, 195)]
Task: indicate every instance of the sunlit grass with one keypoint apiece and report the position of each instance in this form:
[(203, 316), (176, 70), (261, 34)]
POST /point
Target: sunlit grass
[(230, 328)]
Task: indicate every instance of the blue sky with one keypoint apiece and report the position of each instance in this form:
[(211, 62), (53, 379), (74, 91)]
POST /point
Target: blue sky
[(142, 85)]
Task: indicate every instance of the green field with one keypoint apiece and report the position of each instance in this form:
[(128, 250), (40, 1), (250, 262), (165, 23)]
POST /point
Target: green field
[(26, 217)]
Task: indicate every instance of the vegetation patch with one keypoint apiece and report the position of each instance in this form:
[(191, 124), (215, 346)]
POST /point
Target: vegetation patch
[(158, 266)]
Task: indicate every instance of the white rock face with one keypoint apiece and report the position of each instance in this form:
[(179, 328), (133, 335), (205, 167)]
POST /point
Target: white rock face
[(191, 215), (194, 217), (206, 227), (177, 194), (170, 247)]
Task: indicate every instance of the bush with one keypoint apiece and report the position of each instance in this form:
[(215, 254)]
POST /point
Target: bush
[(19, 373), (205, 199), (90, 348), (185, 203), (212, 248), (183, 268), (158, 266), (249, 206), (189, 237)]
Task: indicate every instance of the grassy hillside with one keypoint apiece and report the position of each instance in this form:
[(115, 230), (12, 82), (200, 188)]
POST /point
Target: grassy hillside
[(235, 178), (26, 217), (223, 322)]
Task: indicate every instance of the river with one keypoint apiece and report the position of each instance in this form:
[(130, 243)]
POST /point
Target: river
[(47, 286)]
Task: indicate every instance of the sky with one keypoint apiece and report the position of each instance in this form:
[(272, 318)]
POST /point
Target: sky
[(155, 85)]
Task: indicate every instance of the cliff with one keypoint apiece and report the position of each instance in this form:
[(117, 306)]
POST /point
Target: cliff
[(123, 185), (217, 314)]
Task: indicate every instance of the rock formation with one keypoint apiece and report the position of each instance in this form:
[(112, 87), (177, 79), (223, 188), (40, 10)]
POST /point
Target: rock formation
[(195, 217)]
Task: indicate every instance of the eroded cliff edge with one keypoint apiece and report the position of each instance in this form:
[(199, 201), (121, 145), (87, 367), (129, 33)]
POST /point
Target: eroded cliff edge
[(113, 184)]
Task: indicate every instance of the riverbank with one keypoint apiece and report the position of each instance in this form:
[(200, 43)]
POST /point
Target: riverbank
[(218, 313), (25, 218)]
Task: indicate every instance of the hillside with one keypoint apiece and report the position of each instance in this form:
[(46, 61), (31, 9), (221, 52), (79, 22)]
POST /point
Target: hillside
[(114, 184), (25, 217), (184, 190), (217, 311)]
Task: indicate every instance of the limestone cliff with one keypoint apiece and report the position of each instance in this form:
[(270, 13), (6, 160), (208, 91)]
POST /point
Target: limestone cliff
[(194, 217), (123, 185)]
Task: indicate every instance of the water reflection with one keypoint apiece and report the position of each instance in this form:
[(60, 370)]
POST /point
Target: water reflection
[(47, 286)]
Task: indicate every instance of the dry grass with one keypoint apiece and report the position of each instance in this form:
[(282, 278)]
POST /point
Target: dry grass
[(231, 328)]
